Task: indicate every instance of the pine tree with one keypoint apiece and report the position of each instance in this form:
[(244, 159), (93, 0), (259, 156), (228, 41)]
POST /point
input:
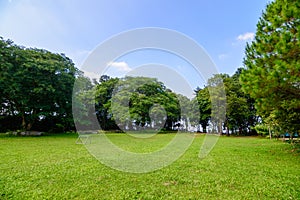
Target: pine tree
[(272, 62)]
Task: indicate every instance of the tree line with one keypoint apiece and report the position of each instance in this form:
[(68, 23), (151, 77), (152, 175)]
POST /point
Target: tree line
[(37, 93), (36, 89)]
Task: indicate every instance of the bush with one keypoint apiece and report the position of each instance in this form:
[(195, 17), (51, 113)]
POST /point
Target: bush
[(262, 129)]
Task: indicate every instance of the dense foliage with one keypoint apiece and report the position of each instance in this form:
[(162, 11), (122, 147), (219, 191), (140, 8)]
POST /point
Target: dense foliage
[(134, 103), (37, 94), (272, 66), (139, 103), (239, 107), (35, 88)]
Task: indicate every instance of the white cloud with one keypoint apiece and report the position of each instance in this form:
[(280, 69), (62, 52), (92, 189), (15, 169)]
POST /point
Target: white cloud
[(246, 36), (120, 66)]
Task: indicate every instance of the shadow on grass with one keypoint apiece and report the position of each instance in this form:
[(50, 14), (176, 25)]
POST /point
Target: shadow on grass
[(43, 134)]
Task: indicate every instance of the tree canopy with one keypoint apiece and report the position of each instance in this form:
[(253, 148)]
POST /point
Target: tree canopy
[(272, 65), (133, 103), (36, 87), (37, 93)]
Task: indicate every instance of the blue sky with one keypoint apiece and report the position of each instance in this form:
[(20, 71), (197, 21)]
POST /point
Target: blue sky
[(76, 27)]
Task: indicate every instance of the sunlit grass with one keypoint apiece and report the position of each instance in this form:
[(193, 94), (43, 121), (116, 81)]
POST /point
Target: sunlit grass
[(140, 143), (54, 167)]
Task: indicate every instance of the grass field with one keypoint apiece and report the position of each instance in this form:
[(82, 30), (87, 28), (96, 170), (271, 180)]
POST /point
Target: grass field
[(54, 167)]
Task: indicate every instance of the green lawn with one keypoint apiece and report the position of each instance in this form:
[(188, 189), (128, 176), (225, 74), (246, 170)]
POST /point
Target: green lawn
[(54, 167)]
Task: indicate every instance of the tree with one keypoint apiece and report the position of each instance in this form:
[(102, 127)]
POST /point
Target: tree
[(204, 102), (217, 94), (83, 104), (240, 111), (272, 64), (140, 102), (188, 113), (103, 95), (36, 85)]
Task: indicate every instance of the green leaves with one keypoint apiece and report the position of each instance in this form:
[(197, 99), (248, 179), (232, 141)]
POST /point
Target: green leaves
[(36, 84), (240, 111), (272, 64), (135, 99), (204, 102)]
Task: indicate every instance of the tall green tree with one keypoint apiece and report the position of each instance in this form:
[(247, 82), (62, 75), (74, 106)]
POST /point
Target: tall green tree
[(36, 85), (272, 64), (189, 115), (226, 91), (103, 95), (217, 94), (240, 113), (140, 102), (83, 103), (204, 102)]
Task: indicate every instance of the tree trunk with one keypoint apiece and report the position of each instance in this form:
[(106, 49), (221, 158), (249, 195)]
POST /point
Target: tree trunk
[(227, 130), (220, 128), (24, 125)]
